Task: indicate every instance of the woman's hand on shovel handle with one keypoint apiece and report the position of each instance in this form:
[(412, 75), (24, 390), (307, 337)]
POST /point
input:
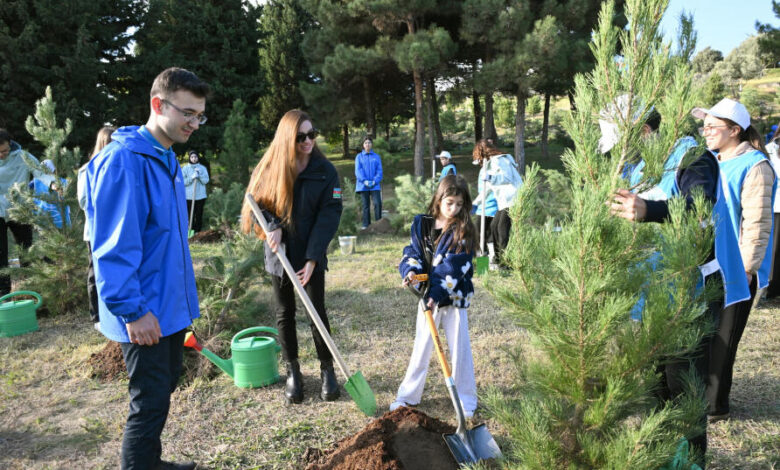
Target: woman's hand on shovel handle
[(144, 331), (274, 238), (305, 274)]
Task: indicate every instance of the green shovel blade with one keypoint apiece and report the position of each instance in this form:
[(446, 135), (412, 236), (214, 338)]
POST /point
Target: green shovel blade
[(191, 233), (482, 265), (358, 389)]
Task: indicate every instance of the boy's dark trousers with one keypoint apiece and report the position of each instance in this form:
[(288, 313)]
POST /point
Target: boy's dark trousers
[(154, 371), (500, 228), (23, 235)]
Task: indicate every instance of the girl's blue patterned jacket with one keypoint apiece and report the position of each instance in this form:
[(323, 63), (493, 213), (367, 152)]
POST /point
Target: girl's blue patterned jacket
[(449, 272)]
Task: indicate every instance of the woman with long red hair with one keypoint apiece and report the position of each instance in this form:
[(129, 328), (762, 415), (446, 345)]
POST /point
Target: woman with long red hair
[(298, 190)]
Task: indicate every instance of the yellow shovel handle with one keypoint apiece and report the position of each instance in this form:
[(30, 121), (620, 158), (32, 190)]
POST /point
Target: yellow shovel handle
[(445, 366)]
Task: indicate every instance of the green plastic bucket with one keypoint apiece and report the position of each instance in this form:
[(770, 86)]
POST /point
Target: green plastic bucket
[(17, 317), (254, 358)]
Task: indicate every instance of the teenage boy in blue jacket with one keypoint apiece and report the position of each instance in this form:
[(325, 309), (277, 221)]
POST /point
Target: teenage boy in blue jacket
[(368, 173), (137, 219)]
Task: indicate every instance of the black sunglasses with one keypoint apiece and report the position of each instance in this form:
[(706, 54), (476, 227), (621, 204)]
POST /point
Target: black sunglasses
[(312, 134)]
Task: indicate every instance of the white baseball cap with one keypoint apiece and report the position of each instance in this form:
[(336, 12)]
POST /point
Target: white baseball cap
[(444, 154), (726, 109)]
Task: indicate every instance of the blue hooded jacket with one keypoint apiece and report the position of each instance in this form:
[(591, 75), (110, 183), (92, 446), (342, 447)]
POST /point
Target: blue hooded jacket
[(138, 230), (368, 167)]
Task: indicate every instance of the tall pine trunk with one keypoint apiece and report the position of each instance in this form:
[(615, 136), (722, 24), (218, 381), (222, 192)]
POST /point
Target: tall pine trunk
[(436, 121), (520, 132), (369, 108), (477, 116), (490, 124), (419, 119), (345, 140), (545, 124), (431, 131)]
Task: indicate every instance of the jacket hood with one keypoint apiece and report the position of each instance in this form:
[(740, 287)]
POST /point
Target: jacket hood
[(129, 137)]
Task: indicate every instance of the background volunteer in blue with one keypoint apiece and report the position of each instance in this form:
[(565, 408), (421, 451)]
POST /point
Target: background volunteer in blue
[(138, 231), (368, 176)]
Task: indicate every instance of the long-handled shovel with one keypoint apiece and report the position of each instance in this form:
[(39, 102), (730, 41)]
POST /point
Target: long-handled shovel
[(466, 445), (482, 262), (190, 233), (356, 384)]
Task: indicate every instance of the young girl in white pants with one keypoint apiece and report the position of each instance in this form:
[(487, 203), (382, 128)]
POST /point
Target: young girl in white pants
[(442, 245)]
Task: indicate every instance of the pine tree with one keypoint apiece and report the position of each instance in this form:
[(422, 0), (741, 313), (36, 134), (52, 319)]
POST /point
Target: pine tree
[(237, 155), (58, 256), (73, 47), (283, 26), (217, 40), (584, 386)]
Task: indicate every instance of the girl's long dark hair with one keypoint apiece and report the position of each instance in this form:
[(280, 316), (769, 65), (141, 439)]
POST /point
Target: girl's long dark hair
[(464, 235), (748, 135)]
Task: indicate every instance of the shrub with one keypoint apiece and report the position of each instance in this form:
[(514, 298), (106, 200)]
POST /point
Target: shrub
[(413, 196), (222, 208), (224, 281), (350, 215), (58, 256)]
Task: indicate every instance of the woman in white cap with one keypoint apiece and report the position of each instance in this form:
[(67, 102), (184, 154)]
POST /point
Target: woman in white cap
[(447, 167), (746, 194)]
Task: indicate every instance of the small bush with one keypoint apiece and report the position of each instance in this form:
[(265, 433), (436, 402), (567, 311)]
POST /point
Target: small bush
[(413, 196), (350, 215), (222, 208), (534, 105)]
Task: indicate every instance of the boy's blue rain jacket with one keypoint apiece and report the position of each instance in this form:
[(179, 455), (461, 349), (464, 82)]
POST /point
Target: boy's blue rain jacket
[(449, 273), (368, 167), (138, 229)]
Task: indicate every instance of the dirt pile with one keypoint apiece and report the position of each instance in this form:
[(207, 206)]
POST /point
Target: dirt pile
[(379, 227), (207, 236), (108, 363), (404, 439)]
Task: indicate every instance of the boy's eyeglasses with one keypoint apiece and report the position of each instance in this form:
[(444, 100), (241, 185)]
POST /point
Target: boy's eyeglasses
[(188, 116), (311, 135)]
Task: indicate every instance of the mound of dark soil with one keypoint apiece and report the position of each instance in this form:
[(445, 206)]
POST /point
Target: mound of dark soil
[(380, 226), (404, 439), (108, 363), (207, 236)]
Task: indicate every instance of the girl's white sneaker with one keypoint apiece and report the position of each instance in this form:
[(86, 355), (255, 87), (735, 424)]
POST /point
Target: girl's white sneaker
[(397, 404)]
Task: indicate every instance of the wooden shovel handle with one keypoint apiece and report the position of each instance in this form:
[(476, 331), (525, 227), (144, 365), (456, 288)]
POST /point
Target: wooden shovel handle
[(445, 366)]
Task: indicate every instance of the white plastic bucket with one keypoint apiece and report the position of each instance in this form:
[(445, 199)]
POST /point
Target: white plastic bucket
[(347, 244)]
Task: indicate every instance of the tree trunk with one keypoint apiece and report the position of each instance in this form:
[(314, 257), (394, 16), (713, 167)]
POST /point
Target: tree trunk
[(477, 116), (431, 131), (436, 121), (346, 140), (370, 114), (387, 131), (545, 124), (490, 124), (419, 119), (520, 133)]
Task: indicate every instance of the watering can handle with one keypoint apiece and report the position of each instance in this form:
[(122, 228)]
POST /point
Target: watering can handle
[(254, 329), (24, 292)]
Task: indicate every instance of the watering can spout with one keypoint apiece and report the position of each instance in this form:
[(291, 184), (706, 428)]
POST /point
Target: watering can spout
[(225, 364)]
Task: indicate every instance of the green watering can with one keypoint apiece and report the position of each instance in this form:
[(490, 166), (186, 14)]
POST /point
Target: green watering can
[(18, 316), (253, 362)]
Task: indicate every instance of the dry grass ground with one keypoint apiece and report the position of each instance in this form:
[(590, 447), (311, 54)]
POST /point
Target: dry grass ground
[(53, 416)]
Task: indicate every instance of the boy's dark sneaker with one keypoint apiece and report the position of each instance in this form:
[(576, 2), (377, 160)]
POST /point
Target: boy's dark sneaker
[(163, 465)]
